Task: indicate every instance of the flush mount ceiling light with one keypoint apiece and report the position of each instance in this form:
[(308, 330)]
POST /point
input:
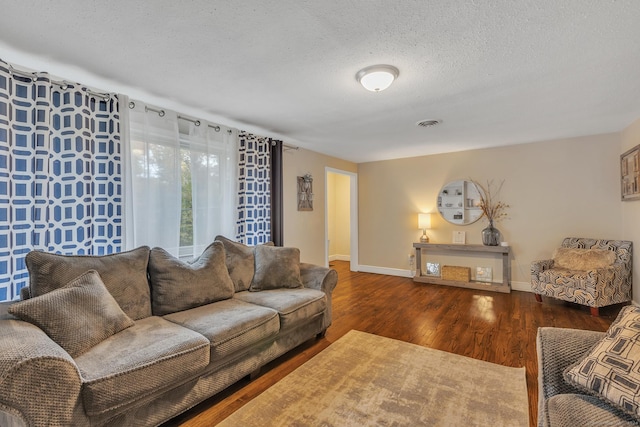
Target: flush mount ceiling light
[(377, 77)]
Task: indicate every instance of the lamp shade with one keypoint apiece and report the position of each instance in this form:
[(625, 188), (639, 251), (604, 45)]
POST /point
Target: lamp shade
[(424, 221), (377, 77)]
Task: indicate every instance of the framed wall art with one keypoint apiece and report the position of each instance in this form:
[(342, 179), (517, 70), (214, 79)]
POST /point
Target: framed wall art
[(305, 193), (630, 174)]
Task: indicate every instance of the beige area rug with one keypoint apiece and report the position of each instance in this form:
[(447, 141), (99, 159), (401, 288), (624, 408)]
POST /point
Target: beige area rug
[(367, 380)]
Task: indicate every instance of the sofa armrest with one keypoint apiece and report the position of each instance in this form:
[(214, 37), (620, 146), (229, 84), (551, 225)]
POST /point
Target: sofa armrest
[(323, 279), (39, 381), (559, 348), (4, 310), (317, 277)]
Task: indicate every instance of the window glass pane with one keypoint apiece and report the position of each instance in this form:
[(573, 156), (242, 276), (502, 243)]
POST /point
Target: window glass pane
[(186, 218)]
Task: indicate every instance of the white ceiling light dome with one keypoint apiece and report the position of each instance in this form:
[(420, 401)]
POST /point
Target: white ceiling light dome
[(377, 77)]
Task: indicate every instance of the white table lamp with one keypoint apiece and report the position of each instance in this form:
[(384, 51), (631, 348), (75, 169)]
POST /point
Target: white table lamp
[(424, 223)]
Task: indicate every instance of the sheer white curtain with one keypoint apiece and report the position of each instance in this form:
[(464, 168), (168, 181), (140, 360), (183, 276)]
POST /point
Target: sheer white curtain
[(181, 180), (213, 159), (154, 178)]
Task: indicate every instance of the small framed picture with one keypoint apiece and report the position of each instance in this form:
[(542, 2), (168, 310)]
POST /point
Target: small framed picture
[(484, 274), (630, 174), (433, 269), (459, 237)]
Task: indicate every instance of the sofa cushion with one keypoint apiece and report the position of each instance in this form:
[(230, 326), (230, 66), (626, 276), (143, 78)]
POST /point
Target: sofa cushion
[(148, 358), (124, 274), (177, 285), (611, 369), (229, 325), (77, 316), (583, 259), (294, 306), (240, 262), (571, 410), (276, 267)]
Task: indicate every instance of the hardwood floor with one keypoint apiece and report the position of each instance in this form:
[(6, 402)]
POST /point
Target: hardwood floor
[(495, 327)]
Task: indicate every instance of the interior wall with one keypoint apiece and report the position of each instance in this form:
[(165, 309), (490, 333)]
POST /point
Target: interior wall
[(306, 229), (555, 189), (338, 220), (631, 209)]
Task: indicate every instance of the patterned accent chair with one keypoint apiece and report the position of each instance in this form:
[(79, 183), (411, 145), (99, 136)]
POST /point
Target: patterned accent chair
[(596, 287)]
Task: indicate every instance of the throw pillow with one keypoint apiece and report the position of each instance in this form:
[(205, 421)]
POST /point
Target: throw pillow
[(583, 259), (77, 316), (240, 262), (124, 274), (276, 267), (611, 369), (177, 285)]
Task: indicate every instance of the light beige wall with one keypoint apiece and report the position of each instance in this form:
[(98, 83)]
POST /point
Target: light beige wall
[(631, 210), (555, 189), (306, 230), (338, 207)]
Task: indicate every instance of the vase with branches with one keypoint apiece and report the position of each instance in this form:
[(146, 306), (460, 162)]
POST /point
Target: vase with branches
[(493, 208)]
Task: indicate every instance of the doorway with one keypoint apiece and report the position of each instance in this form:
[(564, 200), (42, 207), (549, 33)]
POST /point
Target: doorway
[(341, 217)]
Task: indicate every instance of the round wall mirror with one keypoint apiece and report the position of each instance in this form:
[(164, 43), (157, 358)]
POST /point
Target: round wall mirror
[(458, 202)]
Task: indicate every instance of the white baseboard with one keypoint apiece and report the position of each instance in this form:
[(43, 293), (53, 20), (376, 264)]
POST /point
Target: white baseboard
[(339, 258), (521, 286), (515, 286), (384, 270)]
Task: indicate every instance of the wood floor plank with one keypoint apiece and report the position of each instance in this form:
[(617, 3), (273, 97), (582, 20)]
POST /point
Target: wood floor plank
[(495, 327)]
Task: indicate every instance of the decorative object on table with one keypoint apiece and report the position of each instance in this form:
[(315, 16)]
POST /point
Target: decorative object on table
[(453, 272), (412, 264), (459, 237), (433, 269), (458, 202), (424, 223), (484, 274), (493, 208), (305, 193), (630, 174)]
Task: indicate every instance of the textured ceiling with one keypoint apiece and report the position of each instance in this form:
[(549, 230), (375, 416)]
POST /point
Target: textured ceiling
[(496, 72)]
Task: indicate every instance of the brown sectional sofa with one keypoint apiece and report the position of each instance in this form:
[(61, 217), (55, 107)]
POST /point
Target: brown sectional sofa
[(155, 361)]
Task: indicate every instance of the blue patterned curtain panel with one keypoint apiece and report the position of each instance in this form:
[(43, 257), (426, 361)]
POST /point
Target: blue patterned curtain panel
[(254, 189), (60, 173)]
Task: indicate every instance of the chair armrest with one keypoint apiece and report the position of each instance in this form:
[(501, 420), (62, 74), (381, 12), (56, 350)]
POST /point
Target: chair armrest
[(317, 277), (557, 349), (39, 382), (541, 265), (612, 284)]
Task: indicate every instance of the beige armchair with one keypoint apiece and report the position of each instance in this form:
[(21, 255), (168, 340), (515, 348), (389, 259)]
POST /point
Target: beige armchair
[(591, 272)]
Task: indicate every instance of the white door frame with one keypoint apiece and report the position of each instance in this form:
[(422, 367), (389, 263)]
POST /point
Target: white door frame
[(353, 216)]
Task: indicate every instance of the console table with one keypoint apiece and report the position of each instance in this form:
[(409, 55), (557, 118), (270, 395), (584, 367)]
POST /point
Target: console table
[(504, 286)]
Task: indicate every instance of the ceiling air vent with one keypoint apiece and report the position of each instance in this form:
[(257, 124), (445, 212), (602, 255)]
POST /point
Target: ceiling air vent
[(429, 123)]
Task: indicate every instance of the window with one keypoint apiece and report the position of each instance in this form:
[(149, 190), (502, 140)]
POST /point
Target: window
[(183, 182)]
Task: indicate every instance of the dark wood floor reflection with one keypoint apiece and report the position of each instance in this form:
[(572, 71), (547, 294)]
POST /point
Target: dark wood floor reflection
[(498, 328)]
